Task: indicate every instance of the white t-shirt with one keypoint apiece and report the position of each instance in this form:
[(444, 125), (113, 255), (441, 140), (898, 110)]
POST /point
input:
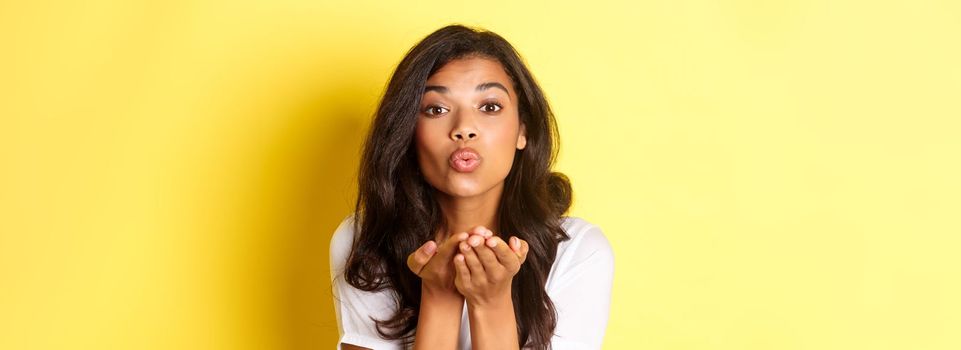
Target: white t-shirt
[(579, 284)]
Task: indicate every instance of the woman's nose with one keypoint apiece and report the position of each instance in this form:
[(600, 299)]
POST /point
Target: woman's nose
[(464, 129), (464, 134)]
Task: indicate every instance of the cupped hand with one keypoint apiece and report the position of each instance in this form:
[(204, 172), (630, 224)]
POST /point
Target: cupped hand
[(485, 267), (434, 264)]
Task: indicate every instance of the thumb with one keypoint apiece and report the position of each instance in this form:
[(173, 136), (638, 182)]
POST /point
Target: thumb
[(419, 258), (428, 249)]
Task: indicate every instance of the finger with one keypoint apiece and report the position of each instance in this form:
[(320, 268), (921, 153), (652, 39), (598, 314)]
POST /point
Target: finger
[(420, 257), (504, 254), (448, 248), (476, 268), (460, 267), (486, 255), (475, 240), (515, 244), (481, 231), (524, 250)]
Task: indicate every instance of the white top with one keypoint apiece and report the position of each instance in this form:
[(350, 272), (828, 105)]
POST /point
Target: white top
[(579, 284)]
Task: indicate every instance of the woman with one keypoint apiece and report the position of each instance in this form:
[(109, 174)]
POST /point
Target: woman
[(458, 239)]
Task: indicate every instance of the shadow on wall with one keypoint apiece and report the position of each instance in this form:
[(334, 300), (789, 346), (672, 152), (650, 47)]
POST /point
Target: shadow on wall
[(309, 188)]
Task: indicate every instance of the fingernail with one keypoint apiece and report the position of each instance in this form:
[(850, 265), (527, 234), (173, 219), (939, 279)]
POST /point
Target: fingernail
[(429, 249), (491, 243)]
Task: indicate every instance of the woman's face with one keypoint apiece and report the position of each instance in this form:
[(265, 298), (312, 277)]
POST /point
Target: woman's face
[(469, 105)]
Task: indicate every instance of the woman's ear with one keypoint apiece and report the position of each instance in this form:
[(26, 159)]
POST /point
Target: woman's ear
[(522, 138)]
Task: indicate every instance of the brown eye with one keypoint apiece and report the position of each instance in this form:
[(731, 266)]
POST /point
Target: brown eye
[(491, 107), (434, 110)]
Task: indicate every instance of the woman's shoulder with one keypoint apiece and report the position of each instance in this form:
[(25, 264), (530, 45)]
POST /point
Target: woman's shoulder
[(341, 242), (345, 229), (587, 241), (582, 231)]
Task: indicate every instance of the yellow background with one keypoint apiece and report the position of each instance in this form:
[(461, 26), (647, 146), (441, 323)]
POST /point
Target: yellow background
[(771, 174)]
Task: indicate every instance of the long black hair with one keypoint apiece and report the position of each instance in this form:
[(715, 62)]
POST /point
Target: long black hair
[(396, 210)]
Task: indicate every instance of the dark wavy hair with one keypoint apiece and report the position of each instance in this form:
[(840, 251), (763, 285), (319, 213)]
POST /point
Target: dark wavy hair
[(396, 210)]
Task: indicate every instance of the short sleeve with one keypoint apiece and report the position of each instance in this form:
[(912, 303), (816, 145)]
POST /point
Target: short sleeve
[(581, 291), (354, 308)]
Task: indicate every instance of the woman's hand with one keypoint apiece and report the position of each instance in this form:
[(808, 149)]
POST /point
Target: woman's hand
[(485, 267), (434, 265), (441, 305)]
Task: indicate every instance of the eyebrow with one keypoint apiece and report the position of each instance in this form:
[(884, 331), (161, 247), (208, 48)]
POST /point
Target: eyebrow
[(481, 87)]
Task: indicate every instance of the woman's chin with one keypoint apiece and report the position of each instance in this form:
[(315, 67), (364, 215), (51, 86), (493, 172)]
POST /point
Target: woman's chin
[(463, 193), (463, 190)]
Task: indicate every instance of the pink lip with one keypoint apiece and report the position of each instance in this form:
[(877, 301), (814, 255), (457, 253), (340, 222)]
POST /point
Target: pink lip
[(464, 160)]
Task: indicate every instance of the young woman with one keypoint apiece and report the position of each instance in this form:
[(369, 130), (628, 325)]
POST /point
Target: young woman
[(458, 238)]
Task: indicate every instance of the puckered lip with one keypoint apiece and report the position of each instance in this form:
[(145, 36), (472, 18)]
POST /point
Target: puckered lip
[(464, 154)]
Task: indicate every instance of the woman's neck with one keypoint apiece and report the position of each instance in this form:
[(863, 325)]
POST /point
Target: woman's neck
[(464, 213)]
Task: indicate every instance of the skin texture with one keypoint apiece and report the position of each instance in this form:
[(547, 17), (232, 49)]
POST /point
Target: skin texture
[(440, 311), (470, 263), (462, 107), (483, 268), (462, 116)]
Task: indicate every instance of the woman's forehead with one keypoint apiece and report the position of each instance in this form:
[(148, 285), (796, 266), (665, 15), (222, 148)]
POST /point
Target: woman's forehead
[(469, 72)]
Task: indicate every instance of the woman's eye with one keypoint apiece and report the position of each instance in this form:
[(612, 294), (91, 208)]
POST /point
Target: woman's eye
[(491, 107), (434, 110)]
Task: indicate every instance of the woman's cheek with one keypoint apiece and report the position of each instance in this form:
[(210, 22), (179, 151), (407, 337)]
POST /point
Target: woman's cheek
[(427, 157), (506, 145)]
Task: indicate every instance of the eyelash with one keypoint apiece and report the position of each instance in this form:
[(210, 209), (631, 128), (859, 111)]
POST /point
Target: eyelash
[(498, 105)]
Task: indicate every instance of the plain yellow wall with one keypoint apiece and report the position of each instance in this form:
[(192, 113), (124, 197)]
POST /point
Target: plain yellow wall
[(771, 174)]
